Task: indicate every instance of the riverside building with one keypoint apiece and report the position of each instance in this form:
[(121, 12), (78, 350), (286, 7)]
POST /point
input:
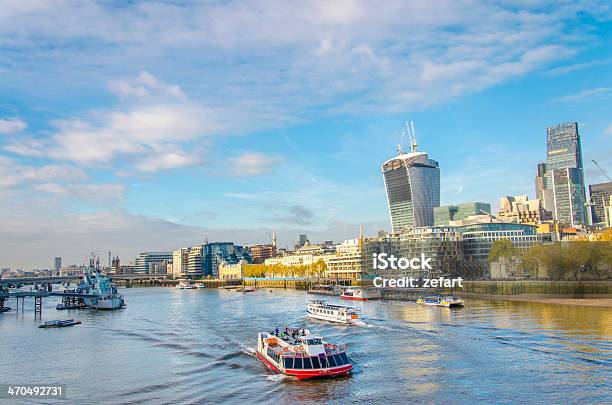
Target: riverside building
[(348, 261), (152, 262), (412, 184), (600, 197)]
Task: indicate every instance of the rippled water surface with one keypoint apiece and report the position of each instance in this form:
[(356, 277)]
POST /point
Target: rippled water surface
[(195, 346)]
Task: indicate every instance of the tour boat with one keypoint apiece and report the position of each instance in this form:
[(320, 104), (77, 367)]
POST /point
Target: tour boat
[(361, 294), (447, 301), (297, 353), (60, 323), (333, 313), (183, 285), (97, 289)]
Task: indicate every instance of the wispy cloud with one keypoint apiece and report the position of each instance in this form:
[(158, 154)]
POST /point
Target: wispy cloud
[(561, 70), (9, 126), (252, 164), (589, 94)]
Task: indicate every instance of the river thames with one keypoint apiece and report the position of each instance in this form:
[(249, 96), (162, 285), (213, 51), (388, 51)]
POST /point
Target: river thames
[(195, 346)]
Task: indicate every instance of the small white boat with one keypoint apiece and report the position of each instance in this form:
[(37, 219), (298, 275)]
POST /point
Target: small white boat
[(332, 313), (183, 285), (199, 286), (361, 294), (447, 301)]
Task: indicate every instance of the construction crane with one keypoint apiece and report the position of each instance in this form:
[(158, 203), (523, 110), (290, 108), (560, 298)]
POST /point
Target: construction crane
[(601, 170), (591, 203)]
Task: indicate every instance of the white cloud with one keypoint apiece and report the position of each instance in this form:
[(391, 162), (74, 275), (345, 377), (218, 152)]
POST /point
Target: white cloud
[(273, 62), (145, 85), (589, 94), (251, 164), (167, 160), (151, 133), (9, 126)]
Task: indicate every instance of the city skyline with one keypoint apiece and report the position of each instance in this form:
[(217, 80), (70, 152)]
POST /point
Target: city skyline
[(121, 140)]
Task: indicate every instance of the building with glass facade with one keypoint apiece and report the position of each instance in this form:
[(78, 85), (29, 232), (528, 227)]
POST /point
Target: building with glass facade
[(152, 262), (412, 183), (600, 197), (560, 181), (478, 238), (444, 215)]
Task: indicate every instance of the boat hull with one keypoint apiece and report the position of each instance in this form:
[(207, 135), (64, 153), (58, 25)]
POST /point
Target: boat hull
[(348, 297), (106, 303), (334, 320), (307, 374)]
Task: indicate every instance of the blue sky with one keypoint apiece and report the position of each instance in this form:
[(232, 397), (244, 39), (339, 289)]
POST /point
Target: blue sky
[(150, 126)]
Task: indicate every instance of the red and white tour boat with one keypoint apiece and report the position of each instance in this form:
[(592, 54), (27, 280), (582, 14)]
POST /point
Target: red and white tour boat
[(297, 353), (361, 294)]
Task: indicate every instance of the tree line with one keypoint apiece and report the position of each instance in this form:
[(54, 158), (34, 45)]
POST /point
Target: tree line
[(579, 259), (316, 269)]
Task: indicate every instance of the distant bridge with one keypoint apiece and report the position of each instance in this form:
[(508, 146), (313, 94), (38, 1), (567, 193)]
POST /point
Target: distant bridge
[(66, 279), (37, 280)]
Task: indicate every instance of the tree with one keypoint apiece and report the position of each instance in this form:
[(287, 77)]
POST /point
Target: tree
[(504, 251)]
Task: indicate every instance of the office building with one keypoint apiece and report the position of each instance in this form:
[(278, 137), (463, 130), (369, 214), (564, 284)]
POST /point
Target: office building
[(412, 184), (599, 199), (479, 237), (260, 253), (152, 262), (560, 181), (57, 264), (444, 215), (348, 261), (520, 209)]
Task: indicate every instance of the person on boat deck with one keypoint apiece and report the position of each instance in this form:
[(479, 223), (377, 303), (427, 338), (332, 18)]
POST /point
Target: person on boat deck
[(276, 331)]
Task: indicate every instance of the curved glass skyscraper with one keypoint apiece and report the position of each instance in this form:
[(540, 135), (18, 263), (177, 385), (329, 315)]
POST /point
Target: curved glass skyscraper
[(412, 182)]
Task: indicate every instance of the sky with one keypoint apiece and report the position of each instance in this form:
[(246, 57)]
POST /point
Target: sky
[(145, 126)]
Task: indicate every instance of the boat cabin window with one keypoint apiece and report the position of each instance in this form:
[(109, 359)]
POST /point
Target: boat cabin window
[(344, 358), (332, 361), (298, 363), (307, 362), (315, 362), (288, 362), (313, 342)]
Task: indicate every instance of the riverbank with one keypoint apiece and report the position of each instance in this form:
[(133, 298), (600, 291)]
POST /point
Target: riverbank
[(602, 301)]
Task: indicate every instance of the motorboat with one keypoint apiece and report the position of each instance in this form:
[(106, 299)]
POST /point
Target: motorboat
[(60, 323), (447, 301), (361, 294)]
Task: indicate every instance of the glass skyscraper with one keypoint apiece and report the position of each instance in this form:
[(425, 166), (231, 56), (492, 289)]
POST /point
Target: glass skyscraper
[(412, 183), (560, 182)]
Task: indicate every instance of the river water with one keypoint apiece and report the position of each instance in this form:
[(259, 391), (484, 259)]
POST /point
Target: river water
[(195, 346)]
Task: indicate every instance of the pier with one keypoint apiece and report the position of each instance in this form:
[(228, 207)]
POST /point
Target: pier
[(71, 298)]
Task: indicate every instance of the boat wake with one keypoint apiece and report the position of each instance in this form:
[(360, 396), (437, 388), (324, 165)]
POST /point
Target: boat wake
[(277, 377), (249, 350)]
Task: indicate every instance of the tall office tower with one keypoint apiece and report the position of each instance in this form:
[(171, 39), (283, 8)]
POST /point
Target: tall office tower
[(560, 182), (412, 183), (58, 264), (600, 197), (303, 239)]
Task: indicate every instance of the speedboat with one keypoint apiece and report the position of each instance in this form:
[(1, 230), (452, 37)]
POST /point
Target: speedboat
[(183, 285), (318, 309), (300, 354), (60, 323), (447, 301), (199, 286), (361, 294)]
